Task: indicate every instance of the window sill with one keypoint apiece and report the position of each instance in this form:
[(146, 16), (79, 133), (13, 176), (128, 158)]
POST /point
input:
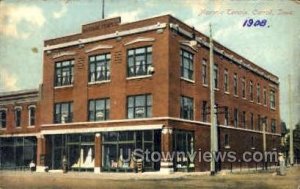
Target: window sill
[(251, 101), (253, 148), (65, 86), (2, 129), (204, 85), (188, 80), (227, 147), (98, 82), (272, 108), (226, 93), (216, 89), (236, 96), (31, 126), (138, 77), (18, 127), (244, 98)]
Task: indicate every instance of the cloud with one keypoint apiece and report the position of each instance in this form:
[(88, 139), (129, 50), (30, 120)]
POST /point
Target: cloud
[(61, 12), (127, 16), (12, 16), (8, 81)]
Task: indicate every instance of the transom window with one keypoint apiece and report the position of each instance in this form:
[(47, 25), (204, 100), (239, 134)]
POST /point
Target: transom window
[(64, 73), (63, 112), (99, 69), (186, 108), (18, 117), (187, 64), (139, 61), (139, 106), (2, 119), (99, 109), (272, 99), (31, 116)]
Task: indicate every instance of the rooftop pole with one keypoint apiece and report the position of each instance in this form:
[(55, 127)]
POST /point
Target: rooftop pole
[(102, 9), (213, 129)]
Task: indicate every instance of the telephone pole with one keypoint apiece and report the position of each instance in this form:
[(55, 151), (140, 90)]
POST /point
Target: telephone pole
[(213, 125), (291, 124)]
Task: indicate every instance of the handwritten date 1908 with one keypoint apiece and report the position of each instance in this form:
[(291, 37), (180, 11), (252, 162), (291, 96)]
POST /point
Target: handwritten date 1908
[(255, 23)]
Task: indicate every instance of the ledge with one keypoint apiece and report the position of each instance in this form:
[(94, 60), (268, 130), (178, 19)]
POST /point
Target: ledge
[(65, 86), (99, 82), (188, 80), (138, 77)]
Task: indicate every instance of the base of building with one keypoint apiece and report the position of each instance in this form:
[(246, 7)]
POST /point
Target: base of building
[(41, 169), (97, 170)]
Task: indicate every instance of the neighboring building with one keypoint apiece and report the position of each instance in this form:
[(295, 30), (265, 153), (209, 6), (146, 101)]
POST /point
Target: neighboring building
[(144, 85)]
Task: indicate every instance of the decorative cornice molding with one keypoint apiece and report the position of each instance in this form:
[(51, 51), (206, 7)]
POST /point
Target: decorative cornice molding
[(98, 47), (140, 39)]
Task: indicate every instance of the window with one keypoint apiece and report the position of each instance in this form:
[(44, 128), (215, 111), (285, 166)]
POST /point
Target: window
[(226, 140), (64, 73), (99, 109), (235, 84), (226, 114), (139, 106), (272, 99), (258, 122), (63, 112), (204, 72), (258, 93), (226, 84), (236, 115), (18, 117), (186, 108), (187, 65), (2, 119), (216, 76), (265, 96), (99, 67), (31, 116), (139, 61), (251, 121), (204, 111), (244, 121), (252, 141), (251, 90), (243, 88), (273, 125)]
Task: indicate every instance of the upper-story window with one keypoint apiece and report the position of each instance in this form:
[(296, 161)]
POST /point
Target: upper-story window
[(186, 108), (244, 88), (99, 69), (226, 84), (139, 106), (18, 113), (99, 109), (272, 99), (204, 111), (31, 115), (3, 119), (251, 91), (64, 72), (216, 76), (273, 125), (226, 116), (187, 65), (244, 119), (235, 84), (235, 117), (265, 96), (258, 93), (252, 121), (258, 122), (139, 61), (204, 72), (63, 112)]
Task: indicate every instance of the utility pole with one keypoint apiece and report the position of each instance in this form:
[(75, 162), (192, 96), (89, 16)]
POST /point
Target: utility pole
[(102, 9), (213, 125), (291, 123)]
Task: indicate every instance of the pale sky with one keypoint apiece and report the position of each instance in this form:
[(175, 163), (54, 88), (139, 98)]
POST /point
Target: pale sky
[(24, 25)]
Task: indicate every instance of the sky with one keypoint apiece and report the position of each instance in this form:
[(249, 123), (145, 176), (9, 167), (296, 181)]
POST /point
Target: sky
[(25, 24)]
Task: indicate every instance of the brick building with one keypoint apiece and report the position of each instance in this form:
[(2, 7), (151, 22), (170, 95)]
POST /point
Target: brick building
[(144, 85)]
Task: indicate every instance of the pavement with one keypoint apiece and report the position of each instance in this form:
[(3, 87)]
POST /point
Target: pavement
[(18, 179)]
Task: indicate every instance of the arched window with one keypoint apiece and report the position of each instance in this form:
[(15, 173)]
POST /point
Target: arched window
[(31, 115)]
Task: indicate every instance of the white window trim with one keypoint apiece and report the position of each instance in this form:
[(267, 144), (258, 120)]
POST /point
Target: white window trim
[(64, 86), (139, 77), (99, 82)]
